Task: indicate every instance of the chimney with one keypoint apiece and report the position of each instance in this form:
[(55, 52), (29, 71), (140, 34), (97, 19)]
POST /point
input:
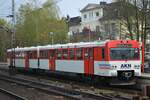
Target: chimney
[(103, 3)]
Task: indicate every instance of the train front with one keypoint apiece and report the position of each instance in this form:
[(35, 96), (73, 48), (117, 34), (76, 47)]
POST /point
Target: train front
[(124, 59)]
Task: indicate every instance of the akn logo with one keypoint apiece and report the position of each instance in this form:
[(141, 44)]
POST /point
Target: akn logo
[(125, 65)]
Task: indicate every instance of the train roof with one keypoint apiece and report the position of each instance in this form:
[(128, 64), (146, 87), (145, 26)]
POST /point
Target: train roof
[(68, 45)]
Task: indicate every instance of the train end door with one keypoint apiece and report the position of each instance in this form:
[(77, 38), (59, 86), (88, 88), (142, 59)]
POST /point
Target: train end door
[(52, 60), (26, 60), (88, 61)]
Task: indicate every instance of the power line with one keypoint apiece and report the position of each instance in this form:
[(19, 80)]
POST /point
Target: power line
[(4, 9)]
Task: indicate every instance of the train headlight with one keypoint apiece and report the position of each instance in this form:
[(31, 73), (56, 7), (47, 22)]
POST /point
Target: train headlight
[(136, 66), (114, 66)]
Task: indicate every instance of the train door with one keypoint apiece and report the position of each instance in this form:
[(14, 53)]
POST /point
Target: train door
[(88, 61), (52, 60), (26, 60)]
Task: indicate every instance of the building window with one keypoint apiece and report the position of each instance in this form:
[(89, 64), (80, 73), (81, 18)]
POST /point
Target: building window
[(97, 14), (91, 15), (107, 28), (85, 16), (78, 31), (113, 27), (97, 29)]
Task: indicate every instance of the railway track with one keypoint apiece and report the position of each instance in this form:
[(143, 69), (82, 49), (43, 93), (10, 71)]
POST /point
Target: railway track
[(76, 88), (3, 63), (63, 91), (12, 95)]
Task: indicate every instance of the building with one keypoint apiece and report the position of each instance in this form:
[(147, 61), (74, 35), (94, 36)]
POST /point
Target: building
[(75, 25), (101, 20)]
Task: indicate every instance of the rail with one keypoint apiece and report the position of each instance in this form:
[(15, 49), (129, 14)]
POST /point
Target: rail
[(70, 93), (3, 63), (11, 94)]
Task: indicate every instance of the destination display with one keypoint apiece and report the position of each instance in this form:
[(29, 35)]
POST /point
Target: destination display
[(124, 45)]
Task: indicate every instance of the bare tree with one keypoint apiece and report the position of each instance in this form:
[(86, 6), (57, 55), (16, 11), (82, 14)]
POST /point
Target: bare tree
[(135, 13)]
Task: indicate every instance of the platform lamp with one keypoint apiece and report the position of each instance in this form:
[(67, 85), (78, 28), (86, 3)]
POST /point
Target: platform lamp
[(12, 63)]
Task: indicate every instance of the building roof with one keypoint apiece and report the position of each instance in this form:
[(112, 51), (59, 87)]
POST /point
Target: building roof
[(74, 21), (111, 11), (92, 6)]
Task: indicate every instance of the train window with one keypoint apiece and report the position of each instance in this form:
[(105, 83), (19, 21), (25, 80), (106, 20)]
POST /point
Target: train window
[(22, 54), (8, 55), (26, 54), (65, 54), (86, 54), (44, 54), (30, 55), (79, 53), (59, 54), (34, 54), (103, 53), (124, 53), (41, 54), (91, 53), (52, 53), (17, 54), (71, 54)]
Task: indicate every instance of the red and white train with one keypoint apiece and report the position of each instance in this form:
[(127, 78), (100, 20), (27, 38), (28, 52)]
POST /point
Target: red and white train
[(114, 59)]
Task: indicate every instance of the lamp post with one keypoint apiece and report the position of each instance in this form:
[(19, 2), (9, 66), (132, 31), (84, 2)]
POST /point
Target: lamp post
[(13, 33), (89, 33), (51, 34), (12, 64)]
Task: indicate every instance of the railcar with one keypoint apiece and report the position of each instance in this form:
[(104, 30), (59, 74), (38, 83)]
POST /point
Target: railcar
[(116, 60)]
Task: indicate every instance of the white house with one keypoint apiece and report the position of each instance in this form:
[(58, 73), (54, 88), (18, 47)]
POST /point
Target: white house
[(101, 20), (90, 16)]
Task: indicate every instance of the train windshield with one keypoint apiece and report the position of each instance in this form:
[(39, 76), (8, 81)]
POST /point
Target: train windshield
[(124, 53)]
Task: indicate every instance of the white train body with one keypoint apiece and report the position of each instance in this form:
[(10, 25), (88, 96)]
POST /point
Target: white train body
[(116, 58)]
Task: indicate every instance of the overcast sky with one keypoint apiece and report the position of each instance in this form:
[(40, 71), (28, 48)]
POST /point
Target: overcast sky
[(70, 7)]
